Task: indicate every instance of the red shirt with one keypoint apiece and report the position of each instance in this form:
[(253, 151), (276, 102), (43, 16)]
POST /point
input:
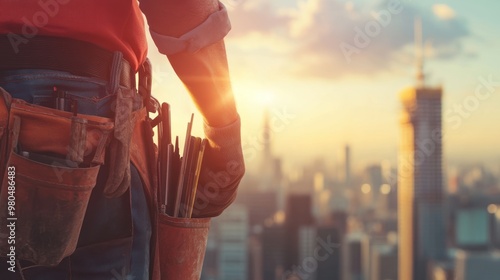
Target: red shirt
[(115, 25)]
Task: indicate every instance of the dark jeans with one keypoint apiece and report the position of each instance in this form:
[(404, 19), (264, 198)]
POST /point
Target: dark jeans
[(115, 238)]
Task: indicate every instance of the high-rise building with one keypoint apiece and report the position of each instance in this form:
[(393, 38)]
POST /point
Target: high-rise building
[(343, 172), (319, 254), (298, 214), (339, 221), (471, 220), (307, 241), (329, 267), (373, 176), (420, 191), (307, 244), (382, 262), (368, 245), (322, 197), (352, 257), (273, 252), (482, 265), (261, 205), (347, 165), (233, 248), (472, 228), (420, 179), (496, 229), (269, 167)]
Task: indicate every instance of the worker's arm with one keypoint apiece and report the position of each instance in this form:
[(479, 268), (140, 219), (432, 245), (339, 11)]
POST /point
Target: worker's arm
[(190, 33)]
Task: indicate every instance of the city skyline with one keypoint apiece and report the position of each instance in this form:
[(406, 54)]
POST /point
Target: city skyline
[(335, 103), (434, 221), (329, 73), (283, 241), (346, 104)]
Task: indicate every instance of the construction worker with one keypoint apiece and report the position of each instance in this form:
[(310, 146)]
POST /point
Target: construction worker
[(91, 49)]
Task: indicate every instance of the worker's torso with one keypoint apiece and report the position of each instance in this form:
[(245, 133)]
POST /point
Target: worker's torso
[(115, 25)]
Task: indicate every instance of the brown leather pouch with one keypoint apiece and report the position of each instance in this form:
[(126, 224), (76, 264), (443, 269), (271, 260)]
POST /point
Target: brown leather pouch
[(182, 243), (49, 165), (178, 244)]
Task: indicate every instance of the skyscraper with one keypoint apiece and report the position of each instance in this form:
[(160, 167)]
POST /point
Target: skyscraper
[(273, 252), (267, 164), (352, 255), (298, 214), (233, 248), (331, 267), (382, 258), (343, 170), (347, 166), (420, 217), (483, 265), (420, 179)]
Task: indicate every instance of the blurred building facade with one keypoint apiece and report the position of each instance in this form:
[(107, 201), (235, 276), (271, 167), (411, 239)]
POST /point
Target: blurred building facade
[(420, 186), (233, 248)]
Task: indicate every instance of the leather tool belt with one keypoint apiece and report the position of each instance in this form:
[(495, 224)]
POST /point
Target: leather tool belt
[(55, 157), (50, 161)]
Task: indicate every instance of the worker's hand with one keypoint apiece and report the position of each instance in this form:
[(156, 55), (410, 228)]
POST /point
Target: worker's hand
[(222, 169)]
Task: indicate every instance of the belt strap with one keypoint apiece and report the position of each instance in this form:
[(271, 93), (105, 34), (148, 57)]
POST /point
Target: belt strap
[(62, 54)]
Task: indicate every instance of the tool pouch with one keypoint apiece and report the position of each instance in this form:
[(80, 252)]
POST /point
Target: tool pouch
[(118, 181), (178, 244), (181, 244), (48, 167)]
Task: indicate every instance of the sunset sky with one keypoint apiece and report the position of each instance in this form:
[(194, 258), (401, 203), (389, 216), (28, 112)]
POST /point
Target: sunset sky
[(287, 55)]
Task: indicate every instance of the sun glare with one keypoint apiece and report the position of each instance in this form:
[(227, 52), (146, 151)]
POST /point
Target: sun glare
[(265, 98)]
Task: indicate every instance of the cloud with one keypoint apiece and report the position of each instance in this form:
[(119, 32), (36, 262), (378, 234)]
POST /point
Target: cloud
[(443, 11), (254, 16), (332, 38), (356, 41), (304, 17)]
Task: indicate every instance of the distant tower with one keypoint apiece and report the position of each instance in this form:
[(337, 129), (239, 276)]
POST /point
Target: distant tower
[(344, 162), (347, 165), (420, 186), (267, 135), (268, 164)]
